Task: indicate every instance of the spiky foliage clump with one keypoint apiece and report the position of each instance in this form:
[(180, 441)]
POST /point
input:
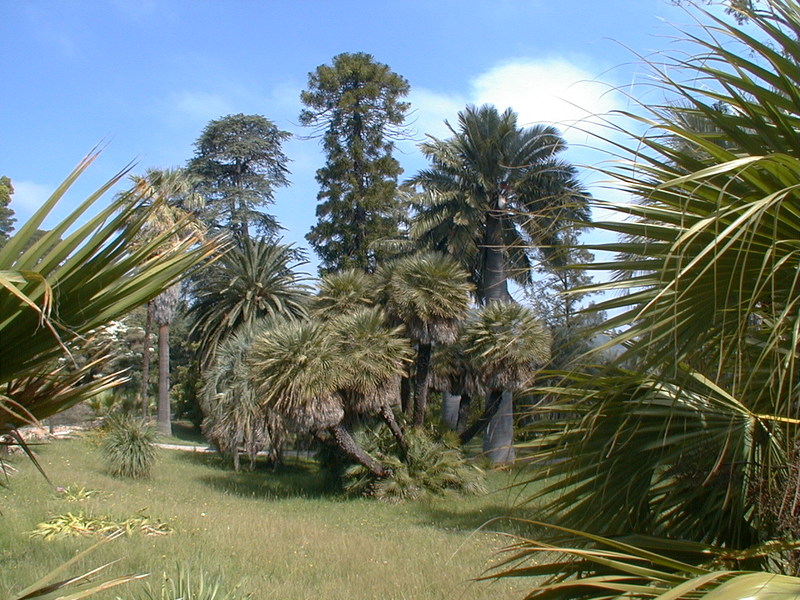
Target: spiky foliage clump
[(189, 585), (506, 343), (695, 442), (342, 292), (431, 467), (129, 447), (254, 279)]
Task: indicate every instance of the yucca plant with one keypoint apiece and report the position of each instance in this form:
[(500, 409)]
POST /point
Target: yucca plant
[(129, 447)]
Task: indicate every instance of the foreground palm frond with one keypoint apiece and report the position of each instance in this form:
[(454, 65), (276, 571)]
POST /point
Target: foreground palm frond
[(58, 289), (641, 567)]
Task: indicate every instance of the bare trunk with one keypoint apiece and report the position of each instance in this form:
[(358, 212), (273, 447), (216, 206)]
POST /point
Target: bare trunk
[(463, 412), (388, 416), (498, 439), (164, 412), (405, 396), (421, 373), (144, 392), (493, 401), (450, 405), (494, 279), (347, 444)]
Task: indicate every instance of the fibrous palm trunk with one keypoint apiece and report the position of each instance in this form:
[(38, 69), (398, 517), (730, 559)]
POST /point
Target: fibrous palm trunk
[(387, 414), (499, 433)]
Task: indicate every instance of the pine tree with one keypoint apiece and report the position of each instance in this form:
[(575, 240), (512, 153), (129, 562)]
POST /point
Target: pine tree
[(355, 106)]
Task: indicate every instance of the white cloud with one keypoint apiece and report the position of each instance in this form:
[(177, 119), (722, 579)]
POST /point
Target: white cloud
[(552, 91), (27, 198)]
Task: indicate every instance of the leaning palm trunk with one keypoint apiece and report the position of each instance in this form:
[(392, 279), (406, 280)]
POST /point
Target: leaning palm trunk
[(345, 442), (387, 414)]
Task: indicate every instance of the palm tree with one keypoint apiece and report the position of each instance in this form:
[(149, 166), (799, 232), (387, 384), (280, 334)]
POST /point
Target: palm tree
[(493, 193), (170, 193), (429, 293), (342, 292), (253, 280), (234, 415), (696, 441), (494, 196), (506, 344), (320, 375)]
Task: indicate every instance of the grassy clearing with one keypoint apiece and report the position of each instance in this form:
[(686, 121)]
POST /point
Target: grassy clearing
[(281, 532)]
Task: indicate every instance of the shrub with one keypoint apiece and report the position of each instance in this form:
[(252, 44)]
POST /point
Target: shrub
[(432, 467), (129, 447)]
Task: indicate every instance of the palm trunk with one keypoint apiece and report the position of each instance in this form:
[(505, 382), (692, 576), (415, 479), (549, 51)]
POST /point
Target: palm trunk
[(498, 439), (405, 396), (450, 405), (347, 444), (493, 402), (463, 412), (164, 412), (421, 372), (388, 416), (494, 280), (144, 391)]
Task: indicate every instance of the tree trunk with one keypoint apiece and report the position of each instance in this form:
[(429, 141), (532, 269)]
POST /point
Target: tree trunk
[(463, 412), (498, 439), (164, 412), (388, 416), (494, 280), (493, 401), (347, 444), (144, 391), (405, 397), (421, 372), (450, 406)]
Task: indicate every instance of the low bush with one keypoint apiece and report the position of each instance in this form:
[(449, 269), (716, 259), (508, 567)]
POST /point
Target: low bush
[(129, 447)]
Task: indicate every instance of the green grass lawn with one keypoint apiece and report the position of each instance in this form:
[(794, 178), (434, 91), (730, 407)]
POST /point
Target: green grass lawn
[(282, 533)]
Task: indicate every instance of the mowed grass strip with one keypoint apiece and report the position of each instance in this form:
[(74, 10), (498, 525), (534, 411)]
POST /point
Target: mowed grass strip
[(282, 533)]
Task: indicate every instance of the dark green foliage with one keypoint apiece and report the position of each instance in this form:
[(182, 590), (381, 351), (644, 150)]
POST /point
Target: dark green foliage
[(6, 213), (239, 163), (129, 447), (354, 105), (432, 467)]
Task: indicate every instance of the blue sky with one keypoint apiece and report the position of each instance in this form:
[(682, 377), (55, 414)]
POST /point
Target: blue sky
[(145, 76)]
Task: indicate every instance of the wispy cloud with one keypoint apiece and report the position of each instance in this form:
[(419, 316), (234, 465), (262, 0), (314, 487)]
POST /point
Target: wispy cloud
[(27, 198)]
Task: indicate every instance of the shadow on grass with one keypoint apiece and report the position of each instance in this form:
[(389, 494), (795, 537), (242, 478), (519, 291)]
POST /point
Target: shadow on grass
[(489, 517), (297, 478)]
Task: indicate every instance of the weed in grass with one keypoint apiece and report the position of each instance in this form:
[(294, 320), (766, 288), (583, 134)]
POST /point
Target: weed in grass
[(76, 494)]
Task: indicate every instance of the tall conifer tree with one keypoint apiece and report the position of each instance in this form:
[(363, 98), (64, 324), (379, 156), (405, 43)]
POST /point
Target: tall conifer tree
[(355, 106)]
